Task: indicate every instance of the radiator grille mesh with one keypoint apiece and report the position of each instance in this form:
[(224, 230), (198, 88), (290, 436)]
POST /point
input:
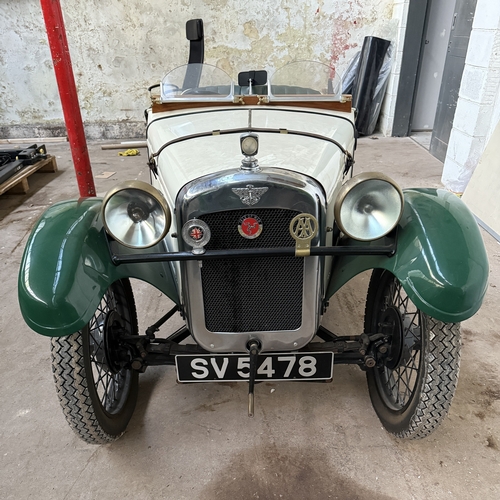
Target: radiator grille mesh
[(253, 294)]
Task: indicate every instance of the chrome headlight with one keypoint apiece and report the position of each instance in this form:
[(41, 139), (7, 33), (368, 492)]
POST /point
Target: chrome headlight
[(368, 206), (136, 214)]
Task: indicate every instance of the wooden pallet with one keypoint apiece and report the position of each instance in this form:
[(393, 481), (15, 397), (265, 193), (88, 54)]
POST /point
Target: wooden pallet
[(18, 183)]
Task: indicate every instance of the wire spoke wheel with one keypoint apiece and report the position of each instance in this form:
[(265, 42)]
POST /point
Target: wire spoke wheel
[(96, 390), (412, 387), (397, 381), (111, 382)]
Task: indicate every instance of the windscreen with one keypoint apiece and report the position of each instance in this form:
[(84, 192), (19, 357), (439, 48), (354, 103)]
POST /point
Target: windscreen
[(301, 80), (196, 82)]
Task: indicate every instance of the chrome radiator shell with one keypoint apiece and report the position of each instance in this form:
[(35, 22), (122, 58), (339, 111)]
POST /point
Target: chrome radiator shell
[(276, 300)]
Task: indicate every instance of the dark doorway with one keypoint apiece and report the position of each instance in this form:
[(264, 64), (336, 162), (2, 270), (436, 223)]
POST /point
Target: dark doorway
[(435, 48), (436, 41)]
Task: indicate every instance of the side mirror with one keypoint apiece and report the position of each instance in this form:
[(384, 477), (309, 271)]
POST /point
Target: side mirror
[(246, 78), (252, 78)]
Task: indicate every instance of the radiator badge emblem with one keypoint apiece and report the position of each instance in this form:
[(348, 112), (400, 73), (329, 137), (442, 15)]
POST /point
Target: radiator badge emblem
[(250, 195), (250, 226), (303, 228)]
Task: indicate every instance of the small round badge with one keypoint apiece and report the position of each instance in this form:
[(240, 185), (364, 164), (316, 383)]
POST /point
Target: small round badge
[(250, 226), (196, 233)]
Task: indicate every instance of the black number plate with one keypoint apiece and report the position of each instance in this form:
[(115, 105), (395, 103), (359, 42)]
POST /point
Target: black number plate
[(236, 367)]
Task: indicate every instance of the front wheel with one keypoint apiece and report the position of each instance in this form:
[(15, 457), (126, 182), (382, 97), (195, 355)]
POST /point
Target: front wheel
[(96, 390), (412, 387)]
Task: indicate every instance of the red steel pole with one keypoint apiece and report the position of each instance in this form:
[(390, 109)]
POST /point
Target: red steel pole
[(54, 24)]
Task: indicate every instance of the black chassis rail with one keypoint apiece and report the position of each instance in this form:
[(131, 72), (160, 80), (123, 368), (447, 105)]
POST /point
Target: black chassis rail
[(140, 351), (365, 350)]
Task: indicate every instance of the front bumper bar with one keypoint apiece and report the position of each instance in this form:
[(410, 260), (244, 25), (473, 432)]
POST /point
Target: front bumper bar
[(387, 250)]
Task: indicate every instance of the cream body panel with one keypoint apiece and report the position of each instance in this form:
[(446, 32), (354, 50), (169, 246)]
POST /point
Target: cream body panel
[(193, 158)]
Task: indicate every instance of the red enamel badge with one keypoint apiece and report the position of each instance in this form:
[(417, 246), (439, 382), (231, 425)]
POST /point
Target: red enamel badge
[(250, 226), (196, 233)]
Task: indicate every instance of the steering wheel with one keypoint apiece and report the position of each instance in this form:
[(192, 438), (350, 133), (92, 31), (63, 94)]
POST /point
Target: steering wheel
[(156, 85)]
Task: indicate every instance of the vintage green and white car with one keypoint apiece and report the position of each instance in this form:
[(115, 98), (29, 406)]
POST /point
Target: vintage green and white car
[(253, 219)]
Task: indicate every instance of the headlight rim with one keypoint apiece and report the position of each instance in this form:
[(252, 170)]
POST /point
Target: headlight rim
[(151, 191), (351, 184)]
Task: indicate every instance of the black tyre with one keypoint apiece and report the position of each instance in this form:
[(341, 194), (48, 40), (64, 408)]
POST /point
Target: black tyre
[(97, 394), (411, 389)]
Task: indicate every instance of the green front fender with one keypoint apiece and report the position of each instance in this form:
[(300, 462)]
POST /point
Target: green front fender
[(440, 260), (66, 268)]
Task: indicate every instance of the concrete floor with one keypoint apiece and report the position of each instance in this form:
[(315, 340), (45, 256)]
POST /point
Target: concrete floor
[(307, 440), (422, 138)]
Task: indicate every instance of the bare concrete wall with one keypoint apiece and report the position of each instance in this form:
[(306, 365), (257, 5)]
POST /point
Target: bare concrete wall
[(399, 15), (120, 47)]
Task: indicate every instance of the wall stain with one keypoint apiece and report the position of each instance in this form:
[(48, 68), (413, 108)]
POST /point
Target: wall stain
[(250, 30)]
